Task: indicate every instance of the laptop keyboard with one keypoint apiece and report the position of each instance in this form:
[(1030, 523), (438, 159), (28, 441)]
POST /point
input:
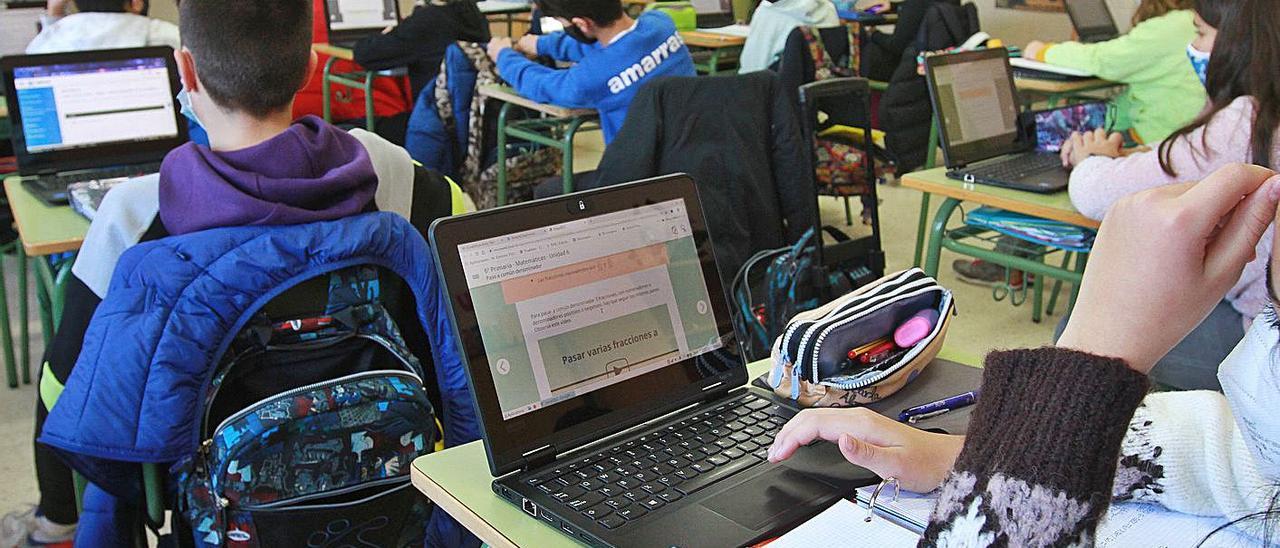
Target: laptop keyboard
[(626, 481), (1016, 168), (62, 180)]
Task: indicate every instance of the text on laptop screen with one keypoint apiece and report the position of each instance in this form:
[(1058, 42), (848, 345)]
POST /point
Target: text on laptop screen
[(361, 14), (708, 7), (89, 104), (571, 308), (976, 100)]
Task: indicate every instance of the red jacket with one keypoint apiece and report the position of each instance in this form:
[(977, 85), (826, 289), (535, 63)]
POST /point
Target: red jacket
[(390, 95)]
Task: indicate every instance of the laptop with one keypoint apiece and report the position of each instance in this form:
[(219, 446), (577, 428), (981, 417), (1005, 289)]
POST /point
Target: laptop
[(91, 115), (607, 379), (1092, 20), (976, 104), (349, 21), (713, 13)]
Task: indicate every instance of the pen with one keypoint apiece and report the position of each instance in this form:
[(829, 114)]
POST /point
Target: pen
[(917, 418), (950, 404)]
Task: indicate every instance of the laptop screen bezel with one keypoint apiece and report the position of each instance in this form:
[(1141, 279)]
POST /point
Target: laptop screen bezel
[(357, 33), (507, 442), (1104, 32), (109, 154), (960, 155)]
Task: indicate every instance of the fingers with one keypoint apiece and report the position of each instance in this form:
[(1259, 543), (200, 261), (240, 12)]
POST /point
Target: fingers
[(1237, 241), (829, 424), (1065, 153), (1204, 202), (864, 454)]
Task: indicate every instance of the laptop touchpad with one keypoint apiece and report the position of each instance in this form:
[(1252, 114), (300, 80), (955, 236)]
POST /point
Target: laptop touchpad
[(777, 496)]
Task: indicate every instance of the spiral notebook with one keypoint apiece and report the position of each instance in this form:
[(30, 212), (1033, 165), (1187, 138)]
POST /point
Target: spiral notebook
[(846, 524), (1126, 524)]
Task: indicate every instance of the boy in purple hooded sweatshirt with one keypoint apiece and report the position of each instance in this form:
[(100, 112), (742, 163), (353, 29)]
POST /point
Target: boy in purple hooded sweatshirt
[(242, 61)]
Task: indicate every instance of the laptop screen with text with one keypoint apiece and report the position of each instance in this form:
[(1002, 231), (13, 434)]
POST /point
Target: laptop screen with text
[(571, 308), (347, 15), (976, 105), (80, 105)]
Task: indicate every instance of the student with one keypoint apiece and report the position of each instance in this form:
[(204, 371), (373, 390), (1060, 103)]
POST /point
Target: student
[(1059, 432), (773, 21), (262, 168), (613, 56), (1238, 125), (419, 41), (100, 24), (1162, 93)]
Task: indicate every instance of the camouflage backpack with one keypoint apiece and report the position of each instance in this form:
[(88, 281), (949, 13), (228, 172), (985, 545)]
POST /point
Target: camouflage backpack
[(309, 429)]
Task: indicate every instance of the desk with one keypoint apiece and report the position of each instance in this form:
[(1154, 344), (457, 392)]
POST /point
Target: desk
[(556, 129), (458, 481), (43, 231), (715, 43), (1055, 91), (356, 80), (1055, 206), (506, 8)]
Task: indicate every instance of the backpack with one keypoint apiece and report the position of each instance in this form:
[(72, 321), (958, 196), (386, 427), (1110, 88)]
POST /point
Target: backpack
[(776, 284), (309, 428)]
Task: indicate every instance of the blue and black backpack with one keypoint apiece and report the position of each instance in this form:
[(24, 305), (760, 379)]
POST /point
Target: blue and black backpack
[(310, 425)]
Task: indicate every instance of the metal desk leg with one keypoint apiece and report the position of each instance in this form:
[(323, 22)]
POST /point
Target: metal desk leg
[(502, 153), (325, 89), (368, 101), (937, 233), (567, 143), (714, 62), (922, 227), (24, 312), (6, 334)]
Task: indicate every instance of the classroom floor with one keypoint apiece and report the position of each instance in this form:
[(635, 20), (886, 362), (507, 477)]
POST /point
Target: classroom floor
[(982, 324)]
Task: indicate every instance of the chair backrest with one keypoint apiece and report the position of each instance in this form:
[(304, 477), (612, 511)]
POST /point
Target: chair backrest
[(682, 13)]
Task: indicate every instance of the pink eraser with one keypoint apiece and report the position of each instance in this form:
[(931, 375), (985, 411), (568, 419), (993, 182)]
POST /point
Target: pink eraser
[(915, 329)]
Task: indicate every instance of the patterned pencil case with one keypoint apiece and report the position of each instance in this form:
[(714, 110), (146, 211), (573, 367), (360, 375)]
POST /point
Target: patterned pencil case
[(821, 358)]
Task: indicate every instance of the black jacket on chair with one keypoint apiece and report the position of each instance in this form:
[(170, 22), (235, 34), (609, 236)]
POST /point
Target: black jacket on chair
[(419, 41), (740, 139)]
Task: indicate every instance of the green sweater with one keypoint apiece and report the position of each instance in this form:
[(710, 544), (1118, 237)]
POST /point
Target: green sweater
[(1164, 93)]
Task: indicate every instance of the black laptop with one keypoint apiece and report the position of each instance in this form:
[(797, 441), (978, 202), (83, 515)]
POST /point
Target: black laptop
[(607, 378), (1092, 20), (351, 20), (976, 106), (713, 13), (91, 115)]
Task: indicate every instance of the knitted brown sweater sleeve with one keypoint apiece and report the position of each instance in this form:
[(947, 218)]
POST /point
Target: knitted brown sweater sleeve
[(1040, 454)]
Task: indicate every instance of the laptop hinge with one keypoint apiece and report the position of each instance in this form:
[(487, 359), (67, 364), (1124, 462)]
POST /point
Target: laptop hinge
[(539, 457)]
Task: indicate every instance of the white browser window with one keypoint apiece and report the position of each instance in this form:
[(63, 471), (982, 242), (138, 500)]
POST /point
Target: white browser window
[(570, 308), (89, 104), (361, 14)]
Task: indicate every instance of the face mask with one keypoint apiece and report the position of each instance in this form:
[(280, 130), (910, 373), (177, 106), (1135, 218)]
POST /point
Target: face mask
[(574, 32), (1250, 378), (184, 100), (1199, 62)]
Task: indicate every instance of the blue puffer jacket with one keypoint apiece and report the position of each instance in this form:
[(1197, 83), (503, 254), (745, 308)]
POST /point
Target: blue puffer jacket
[(427, 139), (174, 306)]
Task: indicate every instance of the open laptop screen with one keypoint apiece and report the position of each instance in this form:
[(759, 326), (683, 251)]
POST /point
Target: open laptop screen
[(582, 315), (977, 106), (1092, 19), (77, 105), (347, 15), (567, 309)]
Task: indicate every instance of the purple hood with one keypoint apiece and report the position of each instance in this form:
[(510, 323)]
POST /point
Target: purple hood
[(311, 172)]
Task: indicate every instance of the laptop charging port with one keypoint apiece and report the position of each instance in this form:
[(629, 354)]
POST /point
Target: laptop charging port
[(529, 507)]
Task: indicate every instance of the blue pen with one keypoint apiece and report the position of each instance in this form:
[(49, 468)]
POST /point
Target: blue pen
[(946, 404)]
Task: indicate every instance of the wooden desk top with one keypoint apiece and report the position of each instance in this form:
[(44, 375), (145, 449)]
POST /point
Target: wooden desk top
[(44, 230), (704, 39), (334, 51), (505, 93), (458, 481), (4, 108), (1063, 86), (1046, 206)]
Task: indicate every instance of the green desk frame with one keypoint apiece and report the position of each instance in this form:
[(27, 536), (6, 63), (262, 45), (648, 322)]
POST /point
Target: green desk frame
[(555, 132), (361, 80), (711, 66)]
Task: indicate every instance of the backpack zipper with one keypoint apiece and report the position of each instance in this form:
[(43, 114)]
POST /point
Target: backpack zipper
[(204, 422), (276, 504)]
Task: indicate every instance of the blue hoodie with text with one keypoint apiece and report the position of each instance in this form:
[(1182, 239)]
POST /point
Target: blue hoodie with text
[(603, 77)]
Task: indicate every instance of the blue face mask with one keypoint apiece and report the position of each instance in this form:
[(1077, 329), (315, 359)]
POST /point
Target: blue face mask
[(1199, 62), (184, 100)]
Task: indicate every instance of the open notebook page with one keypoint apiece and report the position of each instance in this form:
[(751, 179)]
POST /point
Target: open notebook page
[(845, 524)]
